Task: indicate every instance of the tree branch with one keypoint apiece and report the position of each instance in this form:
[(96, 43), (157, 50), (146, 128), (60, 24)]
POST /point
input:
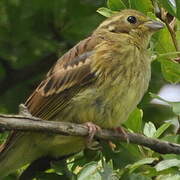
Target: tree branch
[(29, 123)]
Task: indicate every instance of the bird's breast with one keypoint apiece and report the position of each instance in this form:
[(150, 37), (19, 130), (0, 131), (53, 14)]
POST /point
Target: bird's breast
[(109, 103)]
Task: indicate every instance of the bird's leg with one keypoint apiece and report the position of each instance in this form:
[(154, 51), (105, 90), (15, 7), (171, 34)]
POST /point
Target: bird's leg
[(92, 129), (118, 130), (112, 145)]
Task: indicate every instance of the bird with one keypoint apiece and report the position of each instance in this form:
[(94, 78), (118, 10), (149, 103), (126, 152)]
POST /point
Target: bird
[(100, 81)]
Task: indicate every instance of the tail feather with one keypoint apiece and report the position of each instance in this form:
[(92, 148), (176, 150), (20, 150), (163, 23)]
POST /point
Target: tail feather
[(17, 155), (31, 146)]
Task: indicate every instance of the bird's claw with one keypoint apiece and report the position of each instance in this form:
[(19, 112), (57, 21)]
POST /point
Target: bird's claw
[(92, 130)]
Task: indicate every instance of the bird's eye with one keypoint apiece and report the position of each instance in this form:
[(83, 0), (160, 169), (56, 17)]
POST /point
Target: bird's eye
[(132, 19)]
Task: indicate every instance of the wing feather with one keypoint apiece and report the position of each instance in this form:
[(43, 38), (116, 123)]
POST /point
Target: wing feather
[(66, 78), (70, 75)]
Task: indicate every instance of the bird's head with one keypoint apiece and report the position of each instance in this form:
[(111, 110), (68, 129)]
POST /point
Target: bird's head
[(131, 22)]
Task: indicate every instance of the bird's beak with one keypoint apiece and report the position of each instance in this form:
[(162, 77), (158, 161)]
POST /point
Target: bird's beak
[(154, 25)]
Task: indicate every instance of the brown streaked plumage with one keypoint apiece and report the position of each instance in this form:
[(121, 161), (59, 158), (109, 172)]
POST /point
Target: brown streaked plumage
[(69, 75), (101, 80)]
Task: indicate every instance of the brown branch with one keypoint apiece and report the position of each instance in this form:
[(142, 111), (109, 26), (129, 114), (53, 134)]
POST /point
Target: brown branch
[(170, 22), (173, 35), (24, 123)]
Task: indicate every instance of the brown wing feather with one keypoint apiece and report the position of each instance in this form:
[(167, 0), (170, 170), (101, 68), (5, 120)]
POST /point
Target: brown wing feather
[(66, 78), (58, 89), (63, 81)]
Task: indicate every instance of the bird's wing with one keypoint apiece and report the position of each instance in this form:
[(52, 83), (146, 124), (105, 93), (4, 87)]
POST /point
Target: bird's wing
[(69, 75), (65, 79)]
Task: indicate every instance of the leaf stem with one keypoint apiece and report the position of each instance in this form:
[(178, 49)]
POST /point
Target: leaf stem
[(168, 54), (173, 36)]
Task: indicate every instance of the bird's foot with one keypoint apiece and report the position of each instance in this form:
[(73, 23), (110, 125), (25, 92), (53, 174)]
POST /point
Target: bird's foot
[(92, 130), (112, 145), (121, 130)]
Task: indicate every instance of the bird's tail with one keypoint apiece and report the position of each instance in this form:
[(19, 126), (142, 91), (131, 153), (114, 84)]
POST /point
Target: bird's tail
[(27, 147), (16, 154)]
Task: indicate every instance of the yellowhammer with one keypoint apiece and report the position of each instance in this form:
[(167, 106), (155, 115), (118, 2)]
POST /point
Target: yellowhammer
[(100, 80)]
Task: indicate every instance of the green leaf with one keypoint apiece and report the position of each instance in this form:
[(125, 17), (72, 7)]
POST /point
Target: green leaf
[(172, 138), (129, 153), (168, 6), (149, 129), (178, 30), (89, 172), (161, 39), (116, 5), (161, 129), (175, 105), (141, 5), (59, 167), (134, 121), (3, 137), (135, 176), (106, 12), (169, 177), (167, 164), (170, 70), (107, 174), (139, 163), (178, 9)]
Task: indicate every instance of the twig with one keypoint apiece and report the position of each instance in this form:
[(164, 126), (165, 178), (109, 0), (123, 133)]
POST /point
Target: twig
[(173, 36), (24, 123), (170, 26)]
